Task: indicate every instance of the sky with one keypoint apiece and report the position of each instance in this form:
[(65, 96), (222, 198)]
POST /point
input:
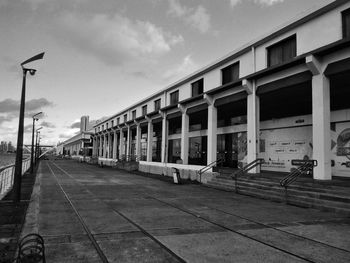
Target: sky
[(102, 56)]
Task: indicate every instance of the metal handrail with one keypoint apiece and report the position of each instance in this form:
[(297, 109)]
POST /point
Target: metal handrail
[(294, 175), (208, 167), (246, 169)]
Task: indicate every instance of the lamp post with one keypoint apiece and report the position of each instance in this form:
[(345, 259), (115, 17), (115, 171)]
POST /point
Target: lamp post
[(32, 152), (19, 152), (36, 144)]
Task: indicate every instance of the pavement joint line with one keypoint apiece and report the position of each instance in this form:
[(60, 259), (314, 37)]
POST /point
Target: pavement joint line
[(231, 230), (278, 229), (132, 222), (95, 244)]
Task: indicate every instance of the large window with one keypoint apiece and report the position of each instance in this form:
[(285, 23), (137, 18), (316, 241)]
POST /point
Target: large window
[(230, 73), (197, 88), (125, 117), (346, 23), (282, 51), (144, 110), (174, 97), (118, 121), (157, 105), (133, 114), (112, 123)]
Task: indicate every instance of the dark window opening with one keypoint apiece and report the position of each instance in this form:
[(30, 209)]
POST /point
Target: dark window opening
[(157, 105), (174, 151), (198, 120), (197, 150), (112, 122), (346, 23), (157, 142), (197, 88), (281, 52), (230, 73), (174, 97), (144, 110), (118, 121), (340, 91), (233, 113), (133, 114), (175, 125), (286, 102), (125, 117)]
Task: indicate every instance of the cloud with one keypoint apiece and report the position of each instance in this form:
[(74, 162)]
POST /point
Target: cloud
[(198, 18), (186, 66), (115, 39), (9, 108), (47, 124), (233, 3), (75, 125)]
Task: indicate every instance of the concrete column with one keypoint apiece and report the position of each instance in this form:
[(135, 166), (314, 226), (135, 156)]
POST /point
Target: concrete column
[(105, 145), (115, 143), (138, 140), (121, 143), (253, 120), (184, 135), (164, 138), (212, 130), (108, 144), (100, 150), (149, 140), (93, 146), (128, 140), (321, 132)]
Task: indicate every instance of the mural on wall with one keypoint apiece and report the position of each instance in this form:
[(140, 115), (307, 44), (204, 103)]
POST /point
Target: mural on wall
[(278, 147), (340, 149)]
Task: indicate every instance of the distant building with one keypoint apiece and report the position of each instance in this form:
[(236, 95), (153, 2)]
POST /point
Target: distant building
[(3, 147)]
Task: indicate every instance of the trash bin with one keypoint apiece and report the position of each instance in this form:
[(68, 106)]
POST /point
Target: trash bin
[(176, 175)]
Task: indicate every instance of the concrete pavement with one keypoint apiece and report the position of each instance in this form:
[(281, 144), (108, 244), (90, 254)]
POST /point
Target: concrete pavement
[(91, 214)]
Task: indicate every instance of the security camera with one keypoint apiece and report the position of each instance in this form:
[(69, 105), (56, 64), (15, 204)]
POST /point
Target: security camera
[(32, 72)]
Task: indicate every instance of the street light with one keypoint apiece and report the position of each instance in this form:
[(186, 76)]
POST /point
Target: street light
[(32, 153), (19, 151), (36, 144)]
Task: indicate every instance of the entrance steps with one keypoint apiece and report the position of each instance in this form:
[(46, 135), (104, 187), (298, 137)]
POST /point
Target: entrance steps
[(331, 196)]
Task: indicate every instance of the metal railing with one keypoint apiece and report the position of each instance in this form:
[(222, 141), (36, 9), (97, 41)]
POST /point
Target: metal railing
[(7, 176), (246, 169), (129, 158), (208, 167), (305, 167)]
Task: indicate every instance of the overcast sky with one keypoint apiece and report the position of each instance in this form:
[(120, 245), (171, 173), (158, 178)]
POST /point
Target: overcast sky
[(101, 56)]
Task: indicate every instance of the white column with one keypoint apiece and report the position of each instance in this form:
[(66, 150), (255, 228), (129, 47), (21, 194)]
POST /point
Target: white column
[(121, 144), (184, 135), (108, 144), (138, 140), (105, 145), (212, 130), (164, 138), (149, 140), (321, 135), (100, 150), (128, 140), (253, 119), (115, 145)]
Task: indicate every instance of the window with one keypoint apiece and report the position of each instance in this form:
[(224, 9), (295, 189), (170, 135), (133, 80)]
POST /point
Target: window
[(112, 123), (133, 114), (125, 117), (174, 97), (103, 127), (144, 110), (346, 23), (197, 88), (230, 73), (118, 121), (107, 125), (282, 51), (157, 105)]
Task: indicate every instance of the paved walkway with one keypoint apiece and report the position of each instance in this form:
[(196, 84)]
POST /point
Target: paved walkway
[(91, 214)]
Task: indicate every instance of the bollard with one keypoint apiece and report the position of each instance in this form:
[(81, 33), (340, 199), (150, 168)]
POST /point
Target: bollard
[(176, 176), (31, 249)]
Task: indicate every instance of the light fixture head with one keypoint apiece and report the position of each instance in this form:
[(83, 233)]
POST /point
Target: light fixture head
[(32, 72)]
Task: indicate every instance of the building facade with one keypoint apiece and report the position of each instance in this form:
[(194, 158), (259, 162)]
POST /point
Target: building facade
[(281, 98)]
